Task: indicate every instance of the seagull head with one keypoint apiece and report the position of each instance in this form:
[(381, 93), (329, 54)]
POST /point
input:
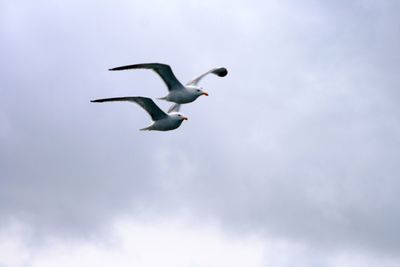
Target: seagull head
[(197, 90), (178, 116)]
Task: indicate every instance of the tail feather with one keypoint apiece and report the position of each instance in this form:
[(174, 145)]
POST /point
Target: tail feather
[(162, 98), (148, 128)]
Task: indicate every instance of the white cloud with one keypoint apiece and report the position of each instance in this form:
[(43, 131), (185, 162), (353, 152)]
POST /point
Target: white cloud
[(13, 245), (171, 243), (146, 244)]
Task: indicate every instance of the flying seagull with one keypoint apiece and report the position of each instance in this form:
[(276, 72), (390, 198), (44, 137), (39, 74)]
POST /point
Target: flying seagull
[(178, 93), (161, 120)]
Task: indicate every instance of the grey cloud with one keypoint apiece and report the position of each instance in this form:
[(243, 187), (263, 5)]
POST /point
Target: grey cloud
[(313, 86)]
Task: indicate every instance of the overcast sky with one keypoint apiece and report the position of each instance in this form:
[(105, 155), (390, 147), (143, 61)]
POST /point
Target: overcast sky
[(293, 159)]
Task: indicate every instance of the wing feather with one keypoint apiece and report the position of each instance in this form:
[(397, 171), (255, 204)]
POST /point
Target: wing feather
[(221, 72), (163, 70), (174, 108), (146, 103)]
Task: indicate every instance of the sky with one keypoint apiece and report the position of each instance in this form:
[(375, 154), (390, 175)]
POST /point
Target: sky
[(291, 161)]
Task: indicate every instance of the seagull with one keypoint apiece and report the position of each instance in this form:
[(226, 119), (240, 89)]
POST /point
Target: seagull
[(161, 120), (178, 93)]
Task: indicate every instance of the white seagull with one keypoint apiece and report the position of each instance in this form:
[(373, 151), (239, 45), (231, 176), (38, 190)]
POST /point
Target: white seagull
[(161, 120), (178, 93)]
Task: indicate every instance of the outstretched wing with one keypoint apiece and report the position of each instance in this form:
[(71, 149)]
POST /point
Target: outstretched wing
[(221, 72), (174, 108), (163, 70), (155, 112)]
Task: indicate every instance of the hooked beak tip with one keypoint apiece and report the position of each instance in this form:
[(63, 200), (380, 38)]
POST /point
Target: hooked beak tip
[(205, 93), (185, 118)]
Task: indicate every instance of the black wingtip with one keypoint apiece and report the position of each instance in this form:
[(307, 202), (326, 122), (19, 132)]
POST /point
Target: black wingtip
[(222, 72), (95, 101), (118, 68), (123, 68)]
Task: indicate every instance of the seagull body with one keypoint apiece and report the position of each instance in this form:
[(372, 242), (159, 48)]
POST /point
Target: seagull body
[(178, 93), (161, 121)]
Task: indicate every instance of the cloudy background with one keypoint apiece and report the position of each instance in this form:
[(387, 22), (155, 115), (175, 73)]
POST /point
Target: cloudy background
[(291, 161)]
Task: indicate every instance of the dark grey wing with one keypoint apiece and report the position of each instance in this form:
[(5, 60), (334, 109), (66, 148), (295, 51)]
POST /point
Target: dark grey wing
[(155, 112), (221, 72), (163, 70)]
